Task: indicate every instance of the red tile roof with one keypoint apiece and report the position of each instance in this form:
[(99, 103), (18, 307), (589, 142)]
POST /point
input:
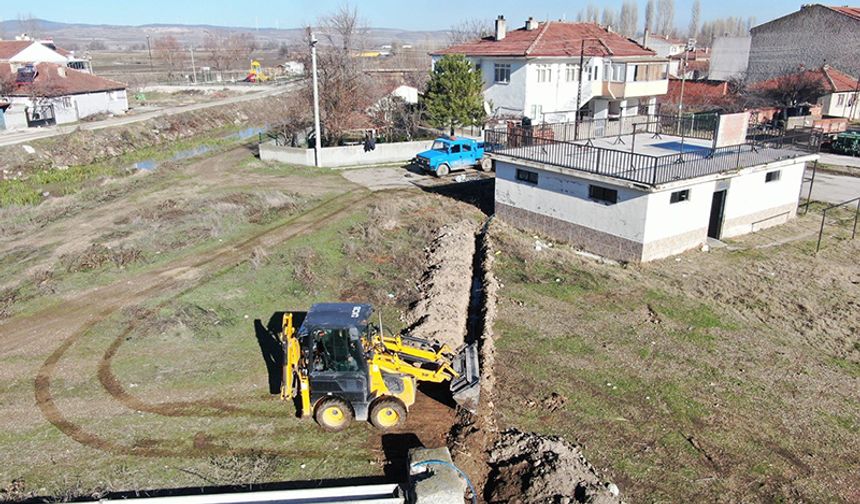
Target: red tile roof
[(832, 79), (552, 38), (49, 81), (9, 48), (853, 12)]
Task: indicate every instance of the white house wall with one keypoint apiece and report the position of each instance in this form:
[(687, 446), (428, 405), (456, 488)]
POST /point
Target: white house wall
[(505, 98), (70, 109), (672, 228)]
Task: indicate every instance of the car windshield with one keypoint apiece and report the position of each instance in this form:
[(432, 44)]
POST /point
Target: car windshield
[(439, 145)]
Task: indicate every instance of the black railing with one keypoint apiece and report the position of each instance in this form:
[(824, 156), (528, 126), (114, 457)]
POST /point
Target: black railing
[(699, 126), (632, 166)]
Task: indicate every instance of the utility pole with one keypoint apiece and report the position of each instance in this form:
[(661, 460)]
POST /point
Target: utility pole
[(317, 139), (691, 46), (193, 67), (149, 46), (579, 91), (856, 99)]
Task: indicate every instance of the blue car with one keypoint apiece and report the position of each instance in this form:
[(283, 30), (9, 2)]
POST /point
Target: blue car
[(453, 154)]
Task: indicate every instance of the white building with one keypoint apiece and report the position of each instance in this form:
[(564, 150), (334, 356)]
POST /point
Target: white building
[(25, 51), (46, 94), (650, 203), (534, 71)]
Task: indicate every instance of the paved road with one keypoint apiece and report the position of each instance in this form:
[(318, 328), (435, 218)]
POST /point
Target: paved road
[(836, 159), (29, 135), (832, 188)]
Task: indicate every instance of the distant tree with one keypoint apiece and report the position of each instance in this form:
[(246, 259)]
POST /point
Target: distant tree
[(728, 26), (96, 45), (666, 17), (592, 14), (628, 22), (609, 18), (469, 29), (283, 50), (792, 88), (454, 94), (345, 29), (168, 50), (228, 51), (695, 15), (30, 25), (649, 16)]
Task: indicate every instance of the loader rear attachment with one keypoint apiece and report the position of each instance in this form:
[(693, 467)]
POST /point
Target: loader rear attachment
[(466, 387)]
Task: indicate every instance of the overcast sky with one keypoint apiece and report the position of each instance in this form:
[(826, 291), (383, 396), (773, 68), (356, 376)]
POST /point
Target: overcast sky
[(408, 14)]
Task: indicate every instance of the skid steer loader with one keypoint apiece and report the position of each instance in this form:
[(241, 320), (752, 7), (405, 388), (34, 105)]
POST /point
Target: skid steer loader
[(342, 367)]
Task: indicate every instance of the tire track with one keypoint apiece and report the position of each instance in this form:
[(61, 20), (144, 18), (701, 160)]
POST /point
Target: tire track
[(158, 282)]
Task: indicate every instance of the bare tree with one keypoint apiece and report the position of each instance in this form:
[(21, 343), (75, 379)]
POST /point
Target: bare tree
[(592, 14), (345, 29), (629, 19), (792, 88), (469, 29), (649, 15), (30, 25), (695, 17), (666, 17), (169, 51), (609, 18), (226, 51)]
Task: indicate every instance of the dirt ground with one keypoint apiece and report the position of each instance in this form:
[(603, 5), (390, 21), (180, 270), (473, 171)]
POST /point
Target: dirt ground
[(137, 318), (727, 376)]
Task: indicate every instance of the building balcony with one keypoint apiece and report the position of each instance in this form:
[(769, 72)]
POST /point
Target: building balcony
[(638, 89)]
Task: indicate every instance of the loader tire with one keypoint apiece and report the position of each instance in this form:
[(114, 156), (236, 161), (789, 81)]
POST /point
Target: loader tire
[(333, 414), (443, 170), (388, 414)]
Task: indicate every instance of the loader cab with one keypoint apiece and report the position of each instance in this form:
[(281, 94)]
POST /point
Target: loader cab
[(331, 342)]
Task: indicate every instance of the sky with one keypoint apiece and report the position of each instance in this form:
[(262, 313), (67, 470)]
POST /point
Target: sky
[(406, 14)]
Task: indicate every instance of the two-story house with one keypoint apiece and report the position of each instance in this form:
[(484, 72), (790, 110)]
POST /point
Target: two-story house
[(544, 69)]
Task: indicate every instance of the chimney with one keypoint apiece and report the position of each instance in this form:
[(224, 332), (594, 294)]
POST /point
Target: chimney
[(501, 28), (645, 38), (531, 24)]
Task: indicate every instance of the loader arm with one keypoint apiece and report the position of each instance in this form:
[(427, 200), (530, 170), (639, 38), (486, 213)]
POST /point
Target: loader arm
[(293, 370)]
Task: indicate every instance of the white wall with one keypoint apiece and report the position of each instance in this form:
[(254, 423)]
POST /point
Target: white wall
[(830, 105), (37, 52), (338, 157), (70, 109), (750, 200), (566, 198)]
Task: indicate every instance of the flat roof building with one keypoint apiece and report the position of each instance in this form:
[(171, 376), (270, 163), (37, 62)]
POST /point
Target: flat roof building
[(645, 192)]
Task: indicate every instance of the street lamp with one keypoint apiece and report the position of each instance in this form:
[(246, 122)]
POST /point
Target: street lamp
[(312, 41)]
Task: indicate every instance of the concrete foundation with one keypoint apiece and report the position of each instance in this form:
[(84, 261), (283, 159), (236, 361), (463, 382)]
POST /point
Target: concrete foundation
[(433, 482)]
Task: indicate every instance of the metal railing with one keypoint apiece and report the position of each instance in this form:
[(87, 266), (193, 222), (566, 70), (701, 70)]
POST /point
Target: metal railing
[(699, 126), (832, 207), (538, 146)]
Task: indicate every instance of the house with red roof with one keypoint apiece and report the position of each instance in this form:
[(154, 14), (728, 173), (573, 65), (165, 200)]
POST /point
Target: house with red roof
[(44, 94), (813, 36), (843, 91), (26, 50), (535, 71)]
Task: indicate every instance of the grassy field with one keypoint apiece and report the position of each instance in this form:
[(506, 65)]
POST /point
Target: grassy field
[(727, 376), (137, 314)]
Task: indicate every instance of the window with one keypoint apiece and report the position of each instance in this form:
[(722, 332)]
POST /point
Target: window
[(467, 148), (616, 72), (527, 176), (772, 176), (571, 73), (503, 72), (603, 194), (650, 72), (536, 112), (544, 73), (840, 99), (592, 73), (455, 149), (440, 146), (478, 67), (679, 196)]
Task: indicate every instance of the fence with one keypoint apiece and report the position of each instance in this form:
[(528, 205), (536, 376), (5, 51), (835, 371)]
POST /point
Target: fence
[(632, 166), (701, 126), (832, 207)]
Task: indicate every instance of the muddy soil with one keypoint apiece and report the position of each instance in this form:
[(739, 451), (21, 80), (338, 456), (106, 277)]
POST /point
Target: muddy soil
[(441, 313)]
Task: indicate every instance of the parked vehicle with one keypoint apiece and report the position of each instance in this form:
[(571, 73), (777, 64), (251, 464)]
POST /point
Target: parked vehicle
[(847, 143), (453, 154)]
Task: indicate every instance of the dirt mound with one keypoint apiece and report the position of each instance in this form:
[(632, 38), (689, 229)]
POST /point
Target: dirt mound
[(441, 313), (529, 468)]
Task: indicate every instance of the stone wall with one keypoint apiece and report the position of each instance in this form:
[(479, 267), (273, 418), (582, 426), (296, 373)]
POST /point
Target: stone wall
[(351, 155), (810, 37)]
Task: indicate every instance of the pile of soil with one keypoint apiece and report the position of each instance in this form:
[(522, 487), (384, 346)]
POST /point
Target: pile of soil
[(527, 467), (441, 312)]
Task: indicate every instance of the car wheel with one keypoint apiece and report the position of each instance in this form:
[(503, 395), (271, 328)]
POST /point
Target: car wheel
[(486, 164), (442, 170)]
